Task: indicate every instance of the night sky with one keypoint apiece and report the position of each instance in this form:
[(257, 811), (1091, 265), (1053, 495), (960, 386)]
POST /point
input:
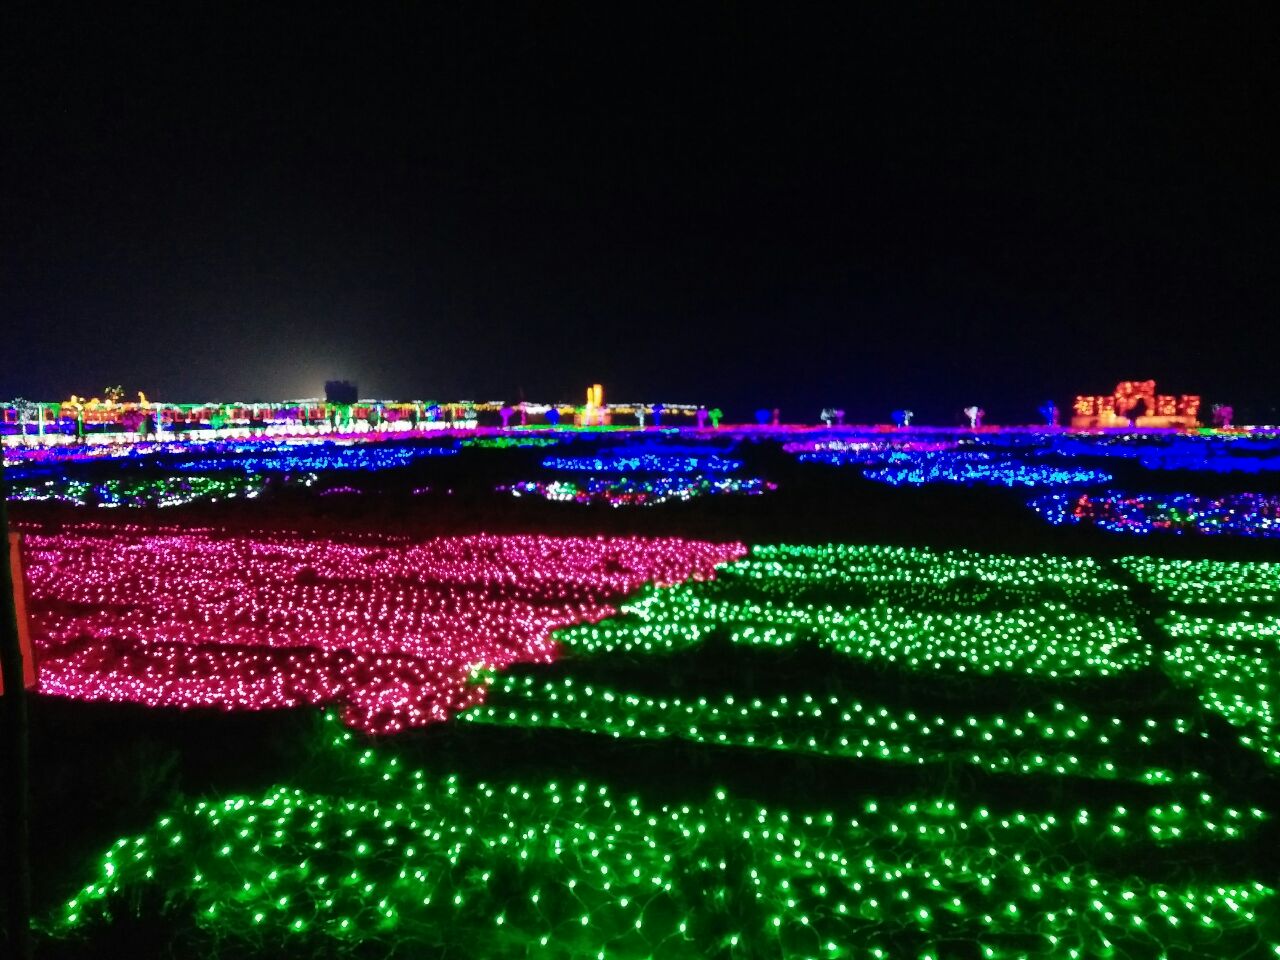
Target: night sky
[(797, 206)]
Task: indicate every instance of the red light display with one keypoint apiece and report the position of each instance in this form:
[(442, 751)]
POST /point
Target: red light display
[(1156, 410)]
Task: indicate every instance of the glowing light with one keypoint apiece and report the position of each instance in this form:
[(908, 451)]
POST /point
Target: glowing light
[(660, 463), (392, 630), (1233, 514), (499, 866), (143, 492), (639, 491)]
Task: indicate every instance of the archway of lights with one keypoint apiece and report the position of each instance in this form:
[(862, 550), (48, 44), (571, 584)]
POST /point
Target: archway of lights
[(1067, 795)]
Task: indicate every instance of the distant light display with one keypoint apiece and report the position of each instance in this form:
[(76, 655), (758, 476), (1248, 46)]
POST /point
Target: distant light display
[(975, 467), (141, 492), (1136, 399), (259, 455), (1233, 514), (506, 443), (392, 631), (639, 491), (1212, 455), (644, 463), (312, 459), (340, 490), (870, 447)]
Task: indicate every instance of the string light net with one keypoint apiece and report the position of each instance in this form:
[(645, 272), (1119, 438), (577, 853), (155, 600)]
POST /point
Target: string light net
[(391, 630)]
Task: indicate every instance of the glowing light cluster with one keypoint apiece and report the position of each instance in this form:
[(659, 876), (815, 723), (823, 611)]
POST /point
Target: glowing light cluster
[(1234, 665), (970, 467), (1208, 582), (1228, 651), (841, 598), (341, 490), (316, 458), (660, 463), (854, 446), (140, 491), (915, 463), (33, 461), (507, 443), (639, 491), (1204, 452), (1057, 740), (1249, 455), (1233, 514), (394, 855), (392, 630), (960, 577), (1136, 400)]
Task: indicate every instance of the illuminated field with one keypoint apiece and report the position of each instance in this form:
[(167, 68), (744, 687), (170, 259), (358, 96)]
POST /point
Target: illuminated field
[(390, 629), (1024, 769)]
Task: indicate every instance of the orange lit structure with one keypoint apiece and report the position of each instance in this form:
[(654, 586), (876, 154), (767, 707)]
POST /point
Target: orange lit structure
[(594, 413), (29, 671), (1140, 397)]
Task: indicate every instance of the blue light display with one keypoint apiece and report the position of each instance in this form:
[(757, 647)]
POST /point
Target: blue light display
[(291, 459), (634, 491), (1234, 514), (935, 468), (916, 468), (643, 463)]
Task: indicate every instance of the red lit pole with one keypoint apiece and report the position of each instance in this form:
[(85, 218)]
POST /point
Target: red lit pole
[(17, 869)]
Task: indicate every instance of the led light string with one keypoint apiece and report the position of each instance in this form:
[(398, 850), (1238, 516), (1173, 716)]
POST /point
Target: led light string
[(508, 443), (1208, 582), (762, 602), (781, 567), (390, 631), (928, 468), (291, 459), (1053, 742), (142, 492), (573, 870), (1234, 665), (659, 463), (638, 491), (1236, 514)]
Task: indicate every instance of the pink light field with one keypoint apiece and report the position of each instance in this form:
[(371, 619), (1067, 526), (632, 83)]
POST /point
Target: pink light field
[(388, 629)]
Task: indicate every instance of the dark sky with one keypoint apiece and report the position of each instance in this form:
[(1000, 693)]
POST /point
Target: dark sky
[(857, 205)]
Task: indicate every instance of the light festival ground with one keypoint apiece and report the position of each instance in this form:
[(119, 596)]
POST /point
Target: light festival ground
[(842, 715)]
